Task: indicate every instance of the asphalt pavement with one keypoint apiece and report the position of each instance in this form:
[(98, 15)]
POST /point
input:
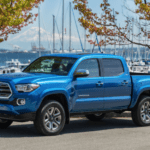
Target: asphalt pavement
[(80, 134)]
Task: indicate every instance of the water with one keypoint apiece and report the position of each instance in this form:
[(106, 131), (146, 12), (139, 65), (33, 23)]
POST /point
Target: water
[(22, 57)]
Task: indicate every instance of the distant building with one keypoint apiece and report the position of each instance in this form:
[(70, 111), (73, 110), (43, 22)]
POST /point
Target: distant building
[(35, 49), (33, 46)]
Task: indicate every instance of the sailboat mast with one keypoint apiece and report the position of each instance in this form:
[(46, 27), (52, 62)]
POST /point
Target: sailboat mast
[(39, 34), (139, 53), (129, 37), (63, 27), (145, 39), (85, 41), (53, 33), (132, 37), (115, 34), (70, 28), (119, 43)]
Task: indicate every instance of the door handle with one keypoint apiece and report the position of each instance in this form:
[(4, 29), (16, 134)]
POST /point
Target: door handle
[(99, 84), (124, 82)]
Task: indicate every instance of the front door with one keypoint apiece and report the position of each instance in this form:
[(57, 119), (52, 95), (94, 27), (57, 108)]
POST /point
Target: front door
[(89, 90)]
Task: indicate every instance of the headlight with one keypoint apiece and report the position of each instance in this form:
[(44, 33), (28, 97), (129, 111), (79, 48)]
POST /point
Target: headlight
[(26, 87)]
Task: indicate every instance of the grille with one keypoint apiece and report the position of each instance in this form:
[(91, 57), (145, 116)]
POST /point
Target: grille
[(5, 90)]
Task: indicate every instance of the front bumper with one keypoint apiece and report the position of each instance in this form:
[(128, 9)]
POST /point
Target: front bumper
[(11, 111), (8, 112), (19, 118)]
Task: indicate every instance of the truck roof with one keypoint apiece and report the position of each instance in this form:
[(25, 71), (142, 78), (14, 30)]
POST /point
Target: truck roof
[(79, 55)]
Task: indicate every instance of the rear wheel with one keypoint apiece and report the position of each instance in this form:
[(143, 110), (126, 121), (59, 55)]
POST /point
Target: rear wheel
[(95, 117), (50, 119), (5, 123), (141, 112)]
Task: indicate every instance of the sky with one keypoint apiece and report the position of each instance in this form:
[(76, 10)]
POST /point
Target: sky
[(48, 8)]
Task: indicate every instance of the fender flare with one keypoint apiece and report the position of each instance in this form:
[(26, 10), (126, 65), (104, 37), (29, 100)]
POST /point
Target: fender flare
[(136, 96), (50, 92)]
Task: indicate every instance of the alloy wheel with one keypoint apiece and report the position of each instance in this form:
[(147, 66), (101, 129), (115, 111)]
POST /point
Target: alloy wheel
[(52, 118), (145, 112)]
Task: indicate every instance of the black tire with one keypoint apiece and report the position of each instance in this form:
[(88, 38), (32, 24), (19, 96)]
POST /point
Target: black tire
[(139, 110), (52, 121), (5, 123), (95, 117)]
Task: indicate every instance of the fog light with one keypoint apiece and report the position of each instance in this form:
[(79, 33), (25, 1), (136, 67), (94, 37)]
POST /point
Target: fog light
[(21, 101)]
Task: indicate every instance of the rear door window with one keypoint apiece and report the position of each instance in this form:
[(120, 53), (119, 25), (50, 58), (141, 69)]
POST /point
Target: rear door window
[(112, 67)]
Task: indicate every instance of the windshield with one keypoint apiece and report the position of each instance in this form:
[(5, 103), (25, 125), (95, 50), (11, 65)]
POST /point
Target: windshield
[(51, 65)]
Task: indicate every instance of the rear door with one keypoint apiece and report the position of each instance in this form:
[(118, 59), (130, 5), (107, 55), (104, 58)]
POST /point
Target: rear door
[(117, 84), (89, 90)]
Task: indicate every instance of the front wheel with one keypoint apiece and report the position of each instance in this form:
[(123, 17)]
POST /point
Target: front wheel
[(50, 118), (141, 112), (5, 123), (95, 117)]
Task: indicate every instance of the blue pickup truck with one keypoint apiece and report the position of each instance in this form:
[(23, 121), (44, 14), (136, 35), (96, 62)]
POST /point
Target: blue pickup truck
[(57, 86)]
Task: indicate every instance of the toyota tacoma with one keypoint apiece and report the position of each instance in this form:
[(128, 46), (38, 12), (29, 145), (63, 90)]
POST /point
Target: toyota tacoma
[(55, 87)]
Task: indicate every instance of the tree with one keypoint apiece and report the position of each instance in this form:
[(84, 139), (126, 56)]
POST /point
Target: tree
[(143, 9), (106, 25), (14, 15)]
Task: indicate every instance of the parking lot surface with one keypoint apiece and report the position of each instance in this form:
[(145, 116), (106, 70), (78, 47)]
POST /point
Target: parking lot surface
[(80, 134)]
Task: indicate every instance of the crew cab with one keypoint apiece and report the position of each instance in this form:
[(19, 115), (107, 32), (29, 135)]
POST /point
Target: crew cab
[(57, 86)]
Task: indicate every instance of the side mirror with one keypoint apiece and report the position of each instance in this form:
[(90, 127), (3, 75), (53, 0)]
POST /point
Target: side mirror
[(81, 73)]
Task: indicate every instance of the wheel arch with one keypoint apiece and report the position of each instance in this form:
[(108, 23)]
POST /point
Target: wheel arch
[(136, 98), (61, 97)]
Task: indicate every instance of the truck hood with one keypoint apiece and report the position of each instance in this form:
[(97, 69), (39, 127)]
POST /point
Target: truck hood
[(30, 77)]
